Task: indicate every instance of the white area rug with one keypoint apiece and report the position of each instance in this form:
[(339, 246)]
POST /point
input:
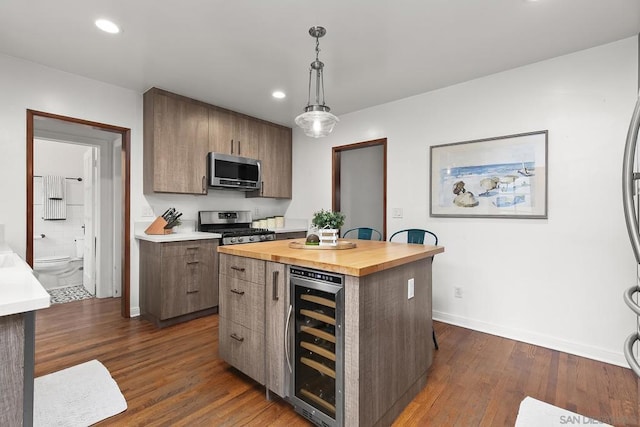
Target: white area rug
[(534, 413), (76, 397)]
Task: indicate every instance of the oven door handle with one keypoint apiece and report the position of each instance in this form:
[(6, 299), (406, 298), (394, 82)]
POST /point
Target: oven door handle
[(286, 338)]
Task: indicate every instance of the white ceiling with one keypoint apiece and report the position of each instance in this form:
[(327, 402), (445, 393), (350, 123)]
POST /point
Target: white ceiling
[(234, 53)]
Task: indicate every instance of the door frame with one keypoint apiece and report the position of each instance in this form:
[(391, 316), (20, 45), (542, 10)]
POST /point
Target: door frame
[(335, 176), (125, 133)]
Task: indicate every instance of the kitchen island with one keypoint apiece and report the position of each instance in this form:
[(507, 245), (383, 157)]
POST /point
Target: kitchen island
[(20, 296), (388, 346)]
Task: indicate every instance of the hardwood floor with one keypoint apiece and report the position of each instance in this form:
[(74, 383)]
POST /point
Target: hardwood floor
[(172, 376)]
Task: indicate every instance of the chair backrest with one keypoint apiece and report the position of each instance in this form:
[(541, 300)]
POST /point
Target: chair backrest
[(415, 235), (364, 233)]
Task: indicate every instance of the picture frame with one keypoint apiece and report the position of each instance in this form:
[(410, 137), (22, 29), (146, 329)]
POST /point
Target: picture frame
[(499, 177)]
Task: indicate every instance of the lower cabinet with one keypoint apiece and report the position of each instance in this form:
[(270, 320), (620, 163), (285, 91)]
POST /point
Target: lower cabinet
[(291, 235), (253, 300), (178, 280), (276, 305)]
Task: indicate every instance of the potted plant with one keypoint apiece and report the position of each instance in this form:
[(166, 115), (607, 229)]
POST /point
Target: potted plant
[(328, 224)]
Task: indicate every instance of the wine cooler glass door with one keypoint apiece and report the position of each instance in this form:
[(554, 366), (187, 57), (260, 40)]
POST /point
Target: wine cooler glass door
[(317, 345)]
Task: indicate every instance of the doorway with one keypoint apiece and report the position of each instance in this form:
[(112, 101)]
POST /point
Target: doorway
[(114, 143), (359, 184)]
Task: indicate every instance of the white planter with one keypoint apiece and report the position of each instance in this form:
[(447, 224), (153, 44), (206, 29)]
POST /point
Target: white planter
[(328, 236)]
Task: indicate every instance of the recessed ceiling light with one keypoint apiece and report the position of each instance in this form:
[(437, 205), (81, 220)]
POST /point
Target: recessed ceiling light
[(278, 94), (107, 26)]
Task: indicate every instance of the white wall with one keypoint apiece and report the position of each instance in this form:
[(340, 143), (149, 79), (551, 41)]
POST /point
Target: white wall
[(556, 282), (362, 188), (25, 85)]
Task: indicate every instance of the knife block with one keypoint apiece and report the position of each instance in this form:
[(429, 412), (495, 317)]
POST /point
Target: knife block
[(157, 227)]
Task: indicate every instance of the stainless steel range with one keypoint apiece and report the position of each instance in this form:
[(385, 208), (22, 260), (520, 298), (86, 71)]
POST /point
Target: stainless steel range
[(234, 226)]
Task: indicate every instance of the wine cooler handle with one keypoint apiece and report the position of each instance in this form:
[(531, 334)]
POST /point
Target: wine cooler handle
[(286, 338), (275, 296)]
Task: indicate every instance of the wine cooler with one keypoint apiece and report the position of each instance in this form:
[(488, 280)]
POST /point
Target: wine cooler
[(317, 345)]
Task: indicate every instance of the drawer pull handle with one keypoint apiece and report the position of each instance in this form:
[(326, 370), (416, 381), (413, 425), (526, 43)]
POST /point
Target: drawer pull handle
[(237, 338), (192, 262), (193, 292), (275, 296), (193, 248), (240, 269), (235, 291)]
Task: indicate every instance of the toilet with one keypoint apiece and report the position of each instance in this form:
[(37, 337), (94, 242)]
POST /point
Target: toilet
[(60, 270)]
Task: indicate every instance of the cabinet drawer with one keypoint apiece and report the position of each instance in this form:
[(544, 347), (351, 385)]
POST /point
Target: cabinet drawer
[(195, 250), (291, 235), (242, 348), (242, 302), (249, 269), (187, 285)]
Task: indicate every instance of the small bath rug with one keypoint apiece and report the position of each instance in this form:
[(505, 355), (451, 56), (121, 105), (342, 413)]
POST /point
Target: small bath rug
[(76, 397), (68, 294), (534, 413)]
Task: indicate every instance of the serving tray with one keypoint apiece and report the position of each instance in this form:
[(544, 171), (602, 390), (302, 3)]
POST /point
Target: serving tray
[(299, 244)]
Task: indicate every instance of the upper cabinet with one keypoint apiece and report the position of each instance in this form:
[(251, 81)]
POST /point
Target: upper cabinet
[(176, 142), (232, 133), (275, 154), (179, 132)]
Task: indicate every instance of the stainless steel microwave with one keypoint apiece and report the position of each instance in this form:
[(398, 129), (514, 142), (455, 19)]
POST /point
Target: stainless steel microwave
[(234, 172)]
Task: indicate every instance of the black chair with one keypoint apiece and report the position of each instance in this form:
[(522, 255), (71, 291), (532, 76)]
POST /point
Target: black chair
[(417, 236), (364, 233)]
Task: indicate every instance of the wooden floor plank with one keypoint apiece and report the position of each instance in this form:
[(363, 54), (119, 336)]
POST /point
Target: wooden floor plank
[(173, 377)]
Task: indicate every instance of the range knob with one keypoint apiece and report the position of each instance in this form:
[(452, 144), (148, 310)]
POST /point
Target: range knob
[(262, 237), (240, 239), (233, 240), (251, 239)]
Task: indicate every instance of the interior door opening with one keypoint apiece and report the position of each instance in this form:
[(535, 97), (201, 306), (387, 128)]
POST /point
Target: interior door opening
[(359, 187), (114, 143)]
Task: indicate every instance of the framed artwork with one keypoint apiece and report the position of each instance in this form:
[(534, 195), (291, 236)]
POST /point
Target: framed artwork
[(501, 177)]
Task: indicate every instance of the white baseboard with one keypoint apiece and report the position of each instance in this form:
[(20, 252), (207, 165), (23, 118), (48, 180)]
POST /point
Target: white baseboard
[(590, 352), (134, 312)]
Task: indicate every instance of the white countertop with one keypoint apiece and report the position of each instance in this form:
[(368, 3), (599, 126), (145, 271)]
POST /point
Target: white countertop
[(20, 291), (177, 237), (188, 233)]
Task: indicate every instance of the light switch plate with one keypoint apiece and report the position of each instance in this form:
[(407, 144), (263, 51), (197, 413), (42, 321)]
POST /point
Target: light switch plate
[(410, 288), (147, 211), (396, 213)]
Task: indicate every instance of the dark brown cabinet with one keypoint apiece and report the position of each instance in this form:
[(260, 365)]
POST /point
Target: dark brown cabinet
[(179, 132), (291, 235), (176, 142), (276, 304), (232, 133), (275, 154), (241, 323), (254, 296), (178, 280)]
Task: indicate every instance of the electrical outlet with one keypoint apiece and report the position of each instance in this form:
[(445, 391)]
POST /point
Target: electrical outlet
[(256, 211), (147, 211), (396, 213), (457, 292), (410, 288)]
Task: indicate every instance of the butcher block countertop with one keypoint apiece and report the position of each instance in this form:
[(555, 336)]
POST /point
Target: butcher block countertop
[(366, 258)]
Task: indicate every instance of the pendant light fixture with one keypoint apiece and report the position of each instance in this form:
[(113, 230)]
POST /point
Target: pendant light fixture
[(317, 121)]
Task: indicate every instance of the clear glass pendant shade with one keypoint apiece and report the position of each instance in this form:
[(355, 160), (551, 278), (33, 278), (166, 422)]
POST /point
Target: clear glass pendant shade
[(316, 123)]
